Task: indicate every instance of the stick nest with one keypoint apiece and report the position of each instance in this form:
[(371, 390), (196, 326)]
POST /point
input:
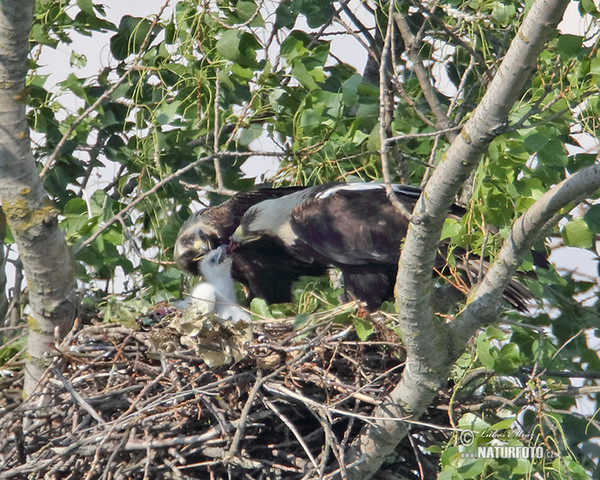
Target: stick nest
[(207, 400)]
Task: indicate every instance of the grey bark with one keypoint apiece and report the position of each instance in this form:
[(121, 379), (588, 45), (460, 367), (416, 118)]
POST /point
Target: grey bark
[(431, 350), (3, 285), (47, 262)]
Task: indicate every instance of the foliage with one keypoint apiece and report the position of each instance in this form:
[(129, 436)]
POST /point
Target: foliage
[(229, 76)]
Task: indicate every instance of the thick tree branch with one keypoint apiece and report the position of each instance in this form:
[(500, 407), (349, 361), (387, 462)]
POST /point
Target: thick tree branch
[(429, 349), (484, 303)]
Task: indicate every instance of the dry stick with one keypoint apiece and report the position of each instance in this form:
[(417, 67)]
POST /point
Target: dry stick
[(14, 312), (330, 445), (354, 19), (416, 453), (243, 417), (259, 382), (114, 454), (136, 247), (86, 406), (428, 91), (294, 431), (25, 469), (207, 188), (338, 451), (409, 136), (560, 373), (365, 386), (287, 393), (216, 162), (102, 97)]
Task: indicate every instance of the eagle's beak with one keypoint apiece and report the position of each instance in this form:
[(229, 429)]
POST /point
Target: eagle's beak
[(202, 248), (223, 250), (240, 238), (237, 239)]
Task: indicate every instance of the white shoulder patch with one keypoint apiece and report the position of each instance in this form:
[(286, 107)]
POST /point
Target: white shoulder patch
[(397, 187), (349, 187), (407, 190)]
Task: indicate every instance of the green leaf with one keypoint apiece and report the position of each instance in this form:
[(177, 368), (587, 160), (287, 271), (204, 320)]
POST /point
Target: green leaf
[(246, 10), (75, 85), (503, 13), (86, 6), (303, 75), (363, 328), (595, 66), (129, 38), (535, 142), (286, 14), (350, 90), (451, 228), (554, 154), (166, 112), (503, 424), (569, 45), (577, 234), (588, 7), (248, 135), (592, 218), (260, 308), (301, 320), (229, 44)]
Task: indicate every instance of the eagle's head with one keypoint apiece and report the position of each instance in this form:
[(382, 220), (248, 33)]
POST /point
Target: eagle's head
[(249, 230), (268, 219), (193, 242)]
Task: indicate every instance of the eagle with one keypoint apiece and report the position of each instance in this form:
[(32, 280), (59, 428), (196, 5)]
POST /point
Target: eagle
[(354, 227), (217, 292), (266, 272)]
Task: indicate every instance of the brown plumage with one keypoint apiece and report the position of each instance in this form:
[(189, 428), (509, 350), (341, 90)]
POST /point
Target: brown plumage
[(267, 272), (353, 227)]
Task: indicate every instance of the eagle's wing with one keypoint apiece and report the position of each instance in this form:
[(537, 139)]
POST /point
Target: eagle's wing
[(354, 224)]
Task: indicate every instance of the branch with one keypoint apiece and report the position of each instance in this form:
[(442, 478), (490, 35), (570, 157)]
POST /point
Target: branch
[(442, 121), (484, 303), (127, 210), (384, 115), (92, 108)]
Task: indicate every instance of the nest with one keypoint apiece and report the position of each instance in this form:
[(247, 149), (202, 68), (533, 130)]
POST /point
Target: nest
[(120, 403)]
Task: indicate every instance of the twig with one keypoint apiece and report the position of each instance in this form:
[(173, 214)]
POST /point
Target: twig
[(294, 431), (560, 373), (86, 406), (384, 116), (427, 88), (244, 416), (410, 136), (216, 161)]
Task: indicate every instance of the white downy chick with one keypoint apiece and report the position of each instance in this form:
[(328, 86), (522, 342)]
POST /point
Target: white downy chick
[(217, 291)]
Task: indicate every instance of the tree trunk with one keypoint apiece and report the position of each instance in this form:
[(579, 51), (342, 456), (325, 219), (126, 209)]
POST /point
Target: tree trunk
[(48, 264), (431, 350)]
